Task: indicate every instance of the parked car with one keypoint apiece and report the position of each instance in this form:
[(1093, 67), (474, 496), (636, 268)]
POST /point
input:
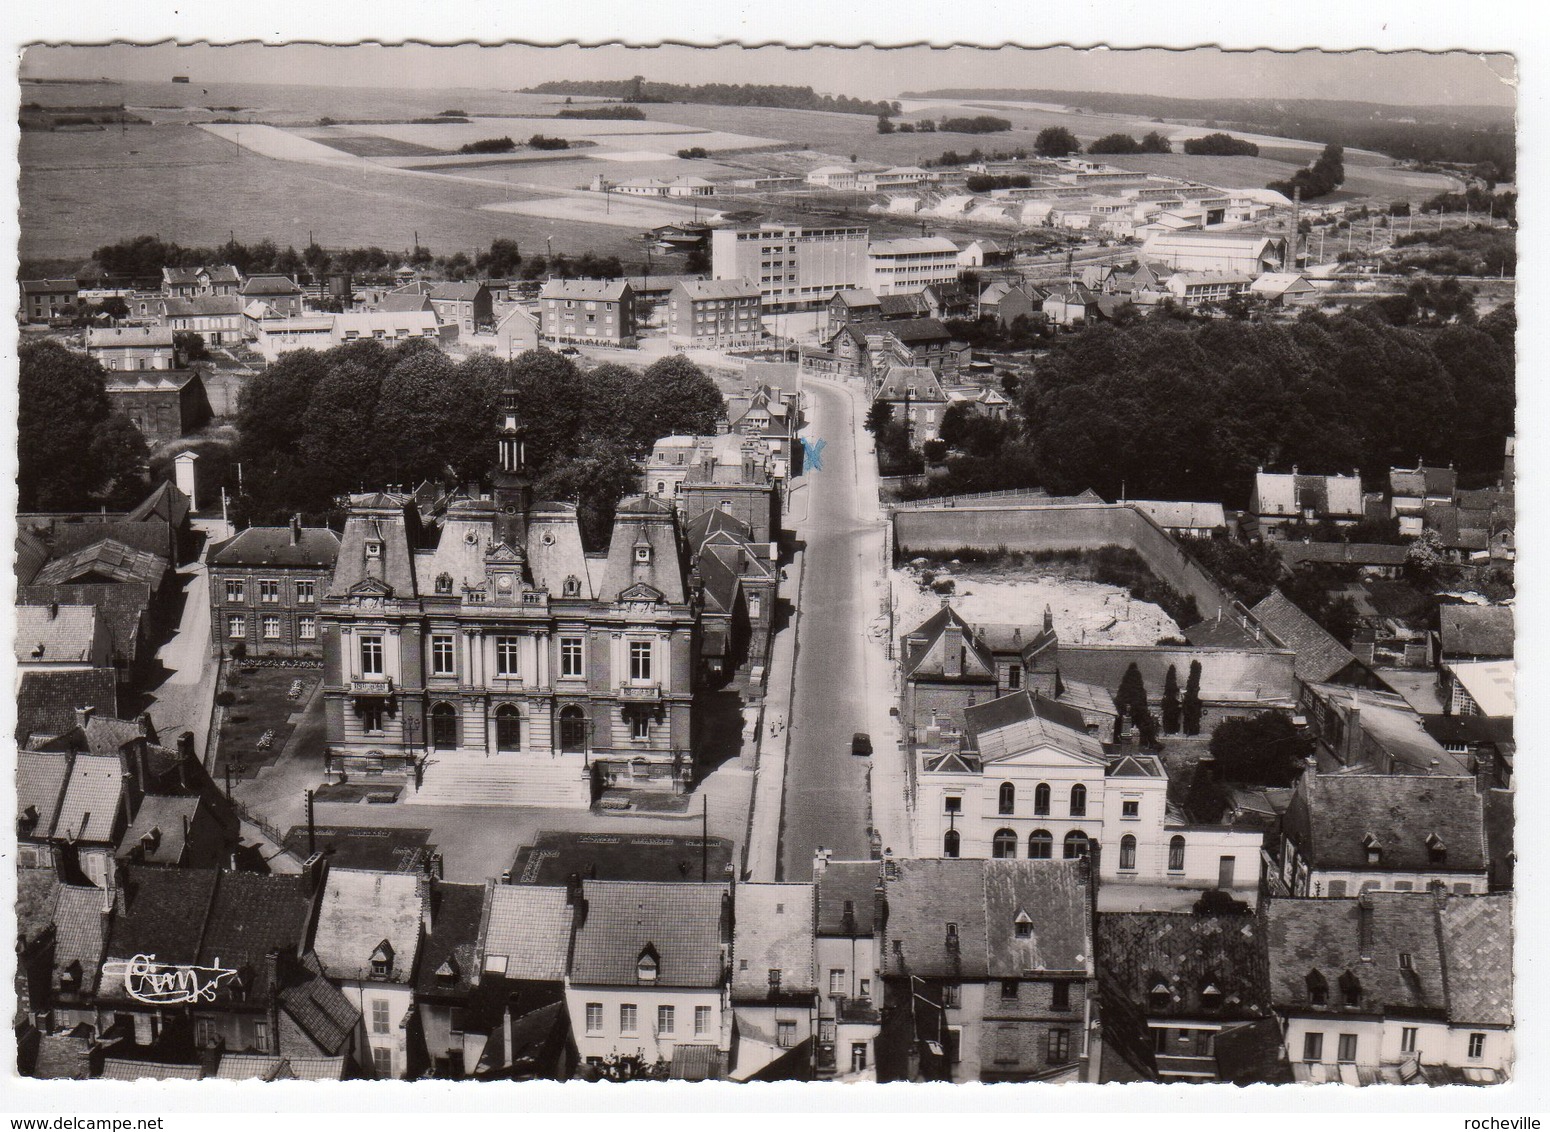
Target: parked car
[(861, 744)]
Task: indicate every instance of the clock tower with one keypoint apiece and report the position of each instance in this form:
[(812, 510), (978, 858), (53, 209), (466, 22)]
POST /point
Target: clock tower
[(513, 489)]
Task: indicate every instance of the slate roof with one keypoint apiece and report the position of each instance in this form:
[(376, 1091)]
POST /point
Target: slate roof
[(92, 799), (919, 642), (639, 516), (360, 909), (712, 520), (1331, 815), (1327, 935), (152, 534), (315, 547), (1010, 725), (456, 912), (699, 289), (40, 784), (1476, 630), (163, 818), (1319, 655), (375, 517), (916, 384), (270, 285), (149, 381), (107, 559), (684, 923), (893, 307), (162, 914), (1186, 953), (322, 1011), (695, 1063), (774, 932), (202, 306), (982, 899), (136, 337), (271, 1067), (853, 881), (1477, 954), (607, 290), (456, 292), (31, 555), (855, 297), (399, 302), (1422, 481), (131, 1069), (64, 635), (530, 925), (49, 286), (253, 914)]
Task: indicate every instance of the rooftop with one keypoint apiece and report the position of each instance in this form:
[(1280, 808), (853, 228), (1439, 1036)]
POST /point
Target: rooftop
[(682, 927), (361, 910), (55, 634), (774, 933), (1184, 965), (1337, 818), (527, 933), (316, 547), (1492, 684)]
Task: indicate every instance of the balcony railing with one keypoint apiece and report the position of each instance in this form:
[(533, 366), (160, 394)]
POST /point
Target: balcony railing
[(641, 693), (378, 686)]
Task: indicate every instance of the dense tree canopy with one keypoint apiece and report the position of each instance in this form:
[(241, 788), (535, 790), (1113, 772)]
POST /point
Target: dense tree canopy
[(1220, 145), (73, 451), (1115, 143), (1056, 141), (1320, 179), (1262, 750)]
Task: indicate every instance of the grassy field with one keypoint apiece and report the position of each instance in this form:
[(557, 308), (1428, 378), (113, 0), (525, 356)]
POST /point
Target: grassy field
[(1383, 183), (366, 146), (262, 704)]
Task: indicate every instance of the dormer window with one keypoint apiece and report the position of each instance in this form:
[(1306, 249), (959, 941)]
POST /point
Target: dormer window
[(1159, 996), (775, 975), (448, 971), (1436, 851), (1374, 849), (647, 965), (1022, 925), (952, 933), (382, 961), (1210, 996), (1318, 989), (1350, 990)]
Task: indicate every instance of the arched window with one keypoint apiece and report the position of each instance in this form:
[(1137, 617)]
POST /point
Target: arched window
[(443, 727), (950, 843), (1079, 801), (1004, 844), (1076, 845), (1007, 798), (508, 728), (1041, 846), (1041, 799), (1176, 855), (573, 728), (1127, 852), (661, 487)]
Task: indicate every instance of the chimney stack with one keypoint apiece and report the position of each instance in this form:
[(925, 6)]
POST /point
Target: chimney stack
[(1352, 747), (295, 530), (83, 716)]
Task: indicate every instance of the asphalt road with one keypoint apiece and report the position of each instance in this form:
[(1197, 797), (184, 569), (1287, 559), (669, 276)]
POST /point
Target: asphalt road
[(826, 786)]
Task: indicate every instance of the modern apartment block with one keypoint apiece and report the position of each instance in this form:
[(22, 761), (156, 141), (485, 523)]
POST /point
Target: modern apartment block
[(902, 267), (796, 268)]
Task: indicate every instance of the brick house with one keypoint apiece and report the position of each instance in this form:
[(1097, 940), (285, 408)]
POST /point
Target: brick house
[(278, 292), (265, 585), (163, 405), (587, 311)]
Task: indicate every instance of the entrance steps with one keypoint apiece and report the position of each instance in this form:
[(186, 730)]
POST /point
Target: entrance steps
[(474, 779)]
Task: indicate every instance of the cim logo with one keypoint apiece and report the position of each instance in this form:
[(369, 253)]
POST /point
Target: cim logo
[(167, 984)]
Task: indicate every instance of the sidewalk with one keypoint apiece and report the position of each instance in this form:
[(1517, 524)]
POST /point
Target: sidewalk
[(186, 698), (764, 817), (890, 814)]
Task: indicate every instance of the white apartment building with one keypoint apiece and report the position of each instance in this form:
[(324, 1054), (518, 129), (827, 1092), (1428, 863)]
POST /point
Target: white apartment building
[(903, 267)]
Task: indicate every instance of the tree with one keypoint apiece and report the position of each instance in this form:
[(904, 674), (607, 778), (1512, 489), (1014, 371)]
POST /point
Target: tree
[(1170, 701), (1056, 141), (1191, 708), (675, 397), (879, 416), (191, 345), (1115, 143), (884, 126), (596, 478), (1261, 750), (1131, 700), (1220, 145), (70, 445), (1154, 142)]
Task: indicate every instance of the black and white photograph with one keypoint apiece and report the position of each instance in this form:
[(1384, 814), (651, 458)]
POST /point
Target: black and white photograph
[(764, 563)]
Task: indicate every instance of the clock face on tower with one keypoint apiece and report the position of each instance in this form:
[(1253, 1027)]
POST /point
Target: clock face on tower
[(503, 583)]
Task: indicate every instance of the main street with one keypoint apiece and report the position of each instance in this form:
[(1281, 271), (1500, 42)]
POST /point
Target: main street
[(836, 676)]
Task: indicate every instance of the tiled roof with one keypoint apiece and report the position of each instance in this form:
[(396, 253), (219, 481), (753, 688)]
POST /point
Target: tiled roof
[(852, 882), (37, 890), (31, 554), (270, 285), (774, 932), (456, 292), (1329, 936), (137, 337), (109, 560), (40, 785), (321, 1010), (1476, 630), (81, 931), (1332, 815), (149, 381), (453, 941), (152, 534), (1319, 655), (608, 290), (911, 383), (902, 306), (129, 1069), (362, 908), (981, 901), (202, 305), (252, 915), (719, 289), (1477, 951), (162, 914), (272, 1067), (855, 297), (1186, 953), (683, 923), (530, 926), (1353, 553), (92, 799), (122, 605), (639, 516), (695, 1063), (60, 634), (1023, 721), (49, 286), (316, 547)]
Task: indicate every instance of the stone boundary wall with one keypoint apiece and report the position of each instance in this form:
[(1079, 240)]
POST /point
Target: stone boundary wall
[(1077, 527)]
